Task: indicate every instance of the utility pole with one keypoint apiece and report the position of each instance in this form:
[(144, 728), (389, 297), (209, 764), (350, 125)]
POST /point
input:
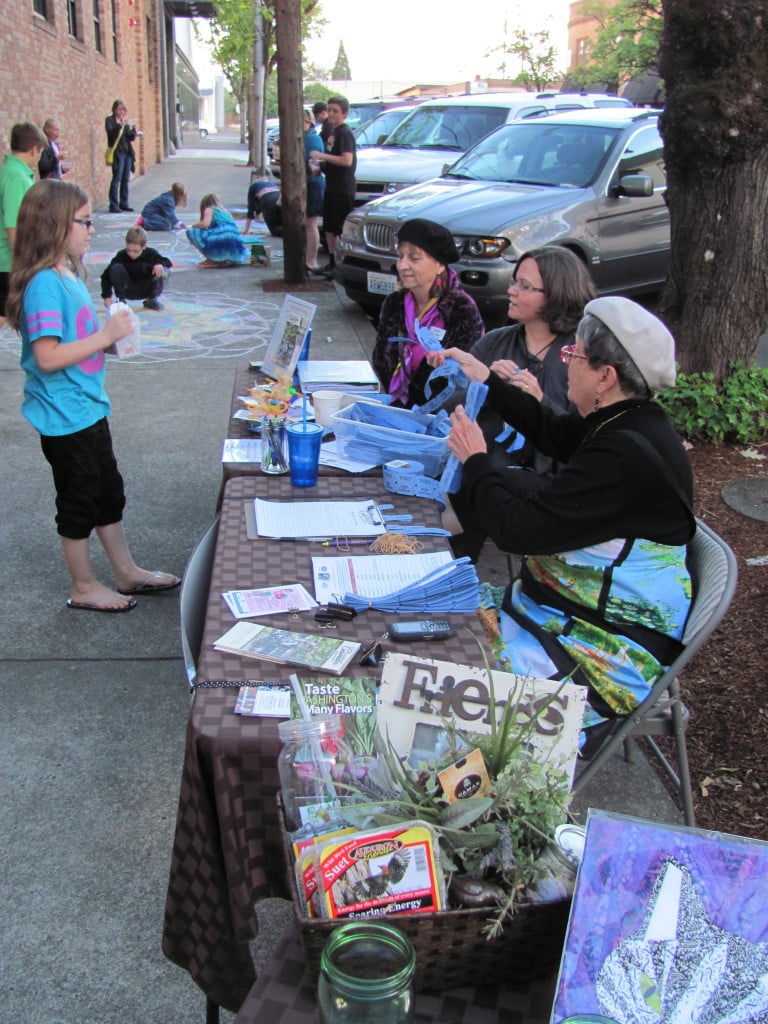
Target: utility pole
[(293, 175)]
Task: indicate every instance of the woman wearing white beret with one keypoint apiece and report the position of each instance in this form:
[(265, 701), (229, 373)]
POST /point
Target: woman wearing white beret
[(604, 591)]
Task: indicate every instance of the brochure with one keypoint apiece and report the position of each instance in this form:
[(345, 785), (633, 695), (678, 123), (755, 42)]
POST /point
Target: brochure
[(267, 700), (246, 604), (353, 376), (324, 654)]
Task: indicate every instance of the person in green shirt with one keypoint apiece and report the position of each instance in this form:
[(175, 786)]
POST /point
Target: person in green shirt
[(17, 176)]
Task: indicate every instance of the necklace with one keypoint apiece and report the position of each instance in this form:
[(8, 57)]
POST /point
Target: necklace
[(533, 358), (610, 419)]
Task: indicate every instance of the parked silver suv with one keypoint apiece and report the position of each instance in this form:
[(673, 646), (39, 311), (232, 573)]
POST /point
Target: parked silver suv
[(592, 181), (434, 134)]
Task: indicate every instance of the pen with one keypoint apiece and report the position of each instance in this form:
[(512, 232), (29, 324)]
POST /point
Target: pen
[(346, 543)]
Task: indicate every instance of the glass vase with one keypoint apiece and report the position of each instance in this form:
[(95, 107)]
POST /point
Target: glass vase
[(274, 445)]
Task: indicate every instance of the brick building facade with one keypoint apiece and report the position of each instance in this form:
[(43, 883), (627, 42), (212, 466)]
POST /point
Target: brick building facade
[(70, 59)]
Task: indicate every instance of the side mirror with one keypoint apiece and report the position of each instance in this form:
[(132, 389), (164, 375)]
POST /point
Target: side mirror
[(633, 185)]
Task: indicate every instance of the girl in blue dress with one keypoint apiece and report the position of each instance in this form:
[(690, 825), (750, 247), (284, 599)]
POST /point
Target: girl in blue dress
[(216, 235), (62, 355)]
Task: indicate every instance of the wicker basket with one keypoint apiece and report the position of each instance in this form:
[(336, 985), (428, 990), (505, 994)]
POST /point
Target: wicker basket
[(451, 950)]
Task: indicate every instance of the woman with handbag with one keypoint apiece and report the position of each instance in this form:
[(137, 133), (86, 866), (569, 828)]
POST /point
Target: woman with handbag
[(119, 154)]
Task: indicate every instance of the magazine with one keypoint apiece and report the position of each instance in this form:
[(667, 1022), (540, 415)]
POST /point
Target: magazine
[(325, 654), (353, 699)]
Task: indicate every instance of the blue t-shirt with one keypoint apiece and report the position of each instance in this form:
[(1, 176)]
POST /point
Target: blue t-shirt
[(63, 401)]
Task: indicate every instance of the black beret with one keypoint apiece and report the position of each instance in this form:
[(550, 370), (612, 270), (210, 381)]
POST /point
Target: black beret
[(432, 238)]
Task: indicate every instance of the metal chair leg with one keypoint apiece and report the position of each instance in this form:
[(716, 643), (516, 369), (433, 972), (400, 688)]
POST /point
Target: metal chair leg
[(211, 1011)]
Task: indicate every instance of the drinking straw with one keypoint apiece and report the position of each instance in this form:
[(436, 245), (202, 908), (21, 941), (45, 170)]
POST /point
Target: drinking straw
[(304, 413)]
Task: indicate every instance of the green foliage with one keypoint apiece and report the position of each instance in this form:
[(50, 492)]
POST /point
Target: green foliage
[(628, 40), (340, 71), (736, 410), (537, 58)]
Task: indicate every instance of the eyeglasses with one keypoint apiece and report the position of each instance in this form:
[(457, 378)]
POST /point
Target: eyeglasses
[(525, 286), (86, 223), (568, 352)]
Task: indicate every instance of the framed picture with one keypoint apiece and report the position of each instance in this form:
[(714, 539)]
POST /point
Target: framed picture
[(667, 924), (288, 337)]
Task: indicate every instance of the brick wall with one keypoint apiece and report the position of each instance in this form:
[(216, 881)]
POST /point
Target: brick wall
[(45, 72)]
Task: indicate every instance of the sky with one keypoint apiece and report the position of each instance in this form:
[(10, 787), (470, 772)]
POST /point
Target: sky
[(418, 41)]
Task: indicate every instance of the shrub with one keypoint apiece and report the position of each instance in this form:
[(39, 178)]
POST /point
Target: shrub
[(735, 411)]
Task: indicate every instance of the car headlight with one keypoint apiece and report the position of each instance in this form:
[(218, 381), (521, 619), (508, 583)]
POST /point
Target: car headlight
[(352, 231), (486, 248)]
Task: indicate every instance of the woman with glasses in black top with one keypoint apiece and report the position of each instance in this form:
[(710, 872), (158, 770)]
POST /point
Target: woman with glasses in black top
[(549, 289)]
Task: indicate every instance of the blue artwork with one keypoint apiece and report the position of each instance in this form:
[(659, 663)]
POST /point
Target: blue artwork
[(669, 925)]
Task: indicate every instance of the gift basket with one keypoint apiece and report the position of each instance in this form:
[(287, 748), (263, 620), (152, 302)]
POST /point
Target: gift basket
[(450, 837)]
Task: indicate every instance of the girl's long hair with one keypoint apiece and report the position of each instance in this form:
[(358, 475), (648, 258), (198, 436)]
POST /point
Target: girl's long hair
[(42, 235), (211, 199)]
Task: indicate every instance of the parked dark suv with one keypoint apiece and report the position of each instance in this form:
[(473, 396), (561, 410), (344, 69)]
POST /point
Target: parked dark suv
[(590, 180)]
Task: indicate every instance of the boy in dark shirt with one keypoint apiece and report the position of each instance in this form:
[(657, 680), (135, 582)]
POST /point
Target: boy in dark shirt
[(136, 272), (338, 162)]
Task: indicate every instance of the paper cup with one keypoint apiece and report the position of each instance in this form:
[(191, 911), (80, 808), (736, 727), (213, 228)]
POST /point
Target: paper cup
[(325, 404), (304, 453)]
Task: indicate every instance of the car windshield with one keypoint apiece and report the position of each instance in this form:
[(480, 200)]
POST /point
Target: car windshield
[(455, 128), (370, 133), (538, 154)]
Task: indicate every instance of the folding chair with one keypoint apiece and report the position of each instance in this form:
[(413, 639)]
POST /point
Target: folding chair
[(713, 572), (194, 599)]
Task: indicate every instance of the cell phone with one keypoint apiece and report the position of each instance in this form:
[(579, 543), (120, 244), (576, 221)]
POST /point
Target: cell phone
[(421, 629)]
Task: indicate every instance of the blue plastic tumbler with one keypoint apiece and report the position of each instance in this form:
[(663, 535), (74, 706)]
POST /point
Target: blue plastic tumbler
[(304, 452)]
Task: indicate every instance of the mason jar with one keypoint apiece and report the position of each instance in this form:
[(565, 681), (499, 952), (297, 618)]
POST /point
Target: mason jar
[(366, 975), (312, 766)]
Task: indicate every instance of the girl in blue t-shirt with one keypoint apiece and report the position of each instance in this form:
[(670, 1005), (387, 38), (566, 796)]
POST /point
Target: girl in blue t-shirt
[(62, 355)]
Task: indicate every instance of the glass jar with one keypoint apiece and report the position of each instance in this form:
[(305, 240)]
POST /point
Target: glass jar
[(311, 764), (274, 445), (366, 976)]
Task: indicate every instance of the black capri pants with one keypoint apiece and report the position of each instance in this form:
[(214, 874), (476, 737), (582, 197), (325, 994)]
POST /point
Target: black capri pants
[(89, 487)]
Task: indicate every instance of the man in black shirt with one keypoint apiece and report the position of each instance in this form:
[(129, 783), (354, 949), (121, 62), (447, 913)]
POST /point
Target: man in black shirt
[(339, 161)]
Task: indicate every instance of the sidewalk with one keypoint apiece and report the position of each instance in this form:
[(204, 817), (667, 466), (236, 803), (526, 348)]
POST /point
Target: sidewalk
[(94, 707)]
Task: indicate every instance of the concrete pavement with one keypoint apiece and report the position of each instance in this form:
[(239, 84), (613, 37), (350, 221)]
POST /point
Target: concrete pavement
[(94, 707)]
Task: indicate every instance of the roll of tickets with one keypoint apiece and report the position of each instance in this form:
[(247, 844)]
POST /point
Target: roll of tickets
[(403, 476)]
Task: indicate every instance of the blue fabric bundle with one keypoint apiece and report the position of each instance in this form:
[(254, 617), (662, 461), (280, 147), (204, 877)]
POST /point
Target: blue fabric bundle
[(450, 481), (451, 588)]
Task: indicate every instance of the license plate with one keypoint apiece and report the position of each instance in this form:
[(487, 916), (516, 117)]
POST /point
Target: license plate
[(381, 284)]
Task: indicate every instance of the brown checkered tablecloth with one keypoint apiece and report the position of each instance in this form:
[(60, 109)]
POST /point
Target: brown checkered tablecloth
[(226, 853), (285, 994)]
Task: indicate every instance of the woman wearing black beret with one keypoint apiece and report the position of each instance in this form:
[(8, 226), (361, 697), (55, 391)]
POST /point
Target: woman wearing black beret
[(429, 293)]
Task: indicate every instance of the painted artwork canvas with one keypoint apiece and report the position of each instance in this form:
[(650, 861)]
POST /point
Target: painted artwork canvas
[(669, 925)]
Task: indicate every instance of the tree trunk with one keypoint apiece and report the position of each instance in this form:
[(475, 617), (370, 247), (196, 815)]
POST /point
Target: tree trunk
[(714, 62), (293, 174)]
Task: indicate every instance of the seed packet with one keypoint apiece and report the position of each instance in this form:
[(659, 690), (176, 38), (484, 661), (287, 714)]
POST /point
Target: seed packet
[(466, 777)]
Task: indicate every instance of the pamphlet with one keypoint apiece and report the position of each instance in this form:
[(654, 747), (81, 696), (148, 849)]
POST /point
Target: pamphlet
[(246, 604), (324, 654), (371, 575), (352, 376), (241, 449), (267, 700)]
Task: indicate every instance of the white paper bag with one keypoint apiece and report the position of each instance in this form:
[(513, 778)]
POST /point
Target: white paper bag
[(130, 345)]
